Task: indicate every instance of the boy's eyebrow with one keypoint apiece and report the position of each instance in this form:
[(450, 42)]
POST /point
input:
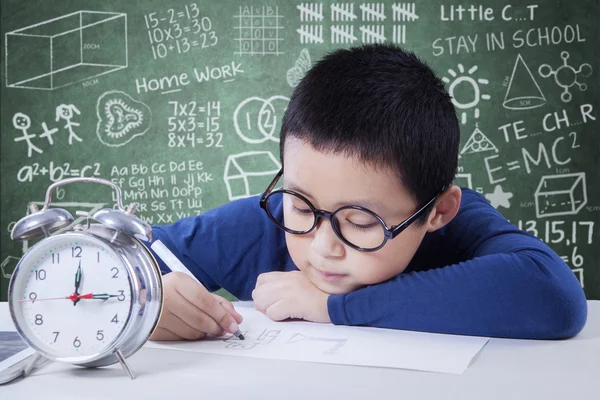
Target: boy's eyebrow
[(372, 205)]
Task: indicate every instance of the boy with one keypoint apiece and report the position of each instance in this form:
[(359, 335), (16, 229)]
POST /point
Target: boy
[(370, 135)]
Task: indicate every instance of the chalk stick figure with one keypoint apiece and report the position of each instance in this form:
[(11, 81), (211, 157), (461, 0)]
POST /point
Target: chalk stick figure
[(22, 122), (65, 112)]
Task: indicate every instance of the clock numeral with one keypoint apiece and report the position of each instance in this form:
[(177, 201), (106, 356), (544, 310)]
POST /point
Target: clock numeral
[(100, 335), (55, 336), (39, 320), (32, 296), (76, 342), (76, 251), (98, 256), (115, 319), (116, 271), (40, 275), (121, 295), (55, 258)]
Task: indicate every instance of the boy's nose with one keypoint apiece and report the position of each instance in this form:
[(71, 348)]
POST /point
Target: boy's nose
[(325, 242)]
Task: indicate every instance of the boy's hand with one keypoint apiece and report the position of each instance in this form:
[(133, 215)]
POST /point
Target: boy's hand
[(191, 312), (282, 295)]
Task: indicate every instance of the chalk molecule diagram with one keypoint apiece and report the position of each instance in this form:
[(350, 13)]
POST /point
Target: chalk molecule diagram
[(566, 76)]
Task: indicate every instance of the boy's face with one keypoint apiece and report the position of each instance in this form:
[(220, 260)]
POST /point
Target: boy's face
[(330, 181)]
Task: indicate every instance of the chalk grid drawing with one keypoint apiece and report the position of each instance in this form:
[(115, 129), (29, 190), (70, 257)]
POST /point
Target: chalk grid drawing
[(464, 85), (478, 143), (526, 94), (372, 17), (64, 50), (121, 118), (258, 30), (562, 194), (499, 198), (249, 173), (566, 76), (300, 68), (257, 120)]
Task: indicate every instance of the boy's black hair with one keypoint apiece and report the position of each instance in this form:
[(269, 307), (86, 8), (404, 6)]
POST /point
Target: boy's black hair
[(384, 106)]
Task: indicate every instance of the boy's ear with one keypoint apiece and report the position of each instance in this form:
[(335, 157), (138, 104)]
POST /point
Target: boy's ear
[(445, 209)]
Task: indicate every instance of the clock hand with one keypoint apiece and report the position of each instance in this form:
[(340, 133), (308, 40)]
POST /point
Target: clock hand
[(53, 298), (75, 297), (77, 283), (95, 296), (104, 296)]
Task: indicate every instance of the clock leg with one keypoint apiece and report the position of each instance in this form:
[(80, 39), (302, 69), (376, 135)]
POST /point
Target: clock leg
[(35, 361), (124, 363)]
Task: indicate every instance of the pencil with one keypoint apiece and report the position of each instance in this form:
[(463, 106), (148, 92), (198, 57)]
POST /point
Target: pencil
[(175, 265)]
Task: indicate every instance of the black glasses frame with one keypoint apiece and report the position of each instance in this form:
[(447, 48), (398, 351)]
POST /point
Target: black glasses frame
[(389, 233)]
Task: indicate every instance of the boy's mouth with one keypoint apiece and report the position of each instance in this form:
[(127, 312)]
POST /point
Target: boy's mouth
[(328, 276)]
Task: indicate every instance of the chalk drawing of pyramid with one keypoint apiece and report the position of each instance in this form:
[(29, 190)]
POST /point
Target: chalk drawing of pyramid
[(523, 92), (478, 143)]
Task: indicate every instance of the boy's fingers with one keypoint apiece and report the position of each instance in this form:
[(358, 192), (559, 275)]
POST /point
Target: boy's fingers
[(278, 311), (192, 316), (263, 298), (204, 301), (268, 277), (229, 306), (179, 327), (164, 334)]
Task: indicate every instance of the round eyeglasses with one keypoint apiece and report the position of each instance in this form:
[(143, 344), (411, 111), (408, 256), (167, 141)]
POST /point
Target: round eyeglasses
[(356, 226)]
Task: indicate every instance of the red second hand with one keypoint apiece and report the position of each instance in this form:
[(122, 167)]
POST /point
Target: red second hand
[(53, 298), (72, 297)]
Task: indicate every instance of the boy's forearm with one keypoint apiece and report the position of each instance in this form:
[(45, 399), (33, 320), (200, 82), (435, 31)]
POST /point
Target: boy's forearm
[(522, 295)]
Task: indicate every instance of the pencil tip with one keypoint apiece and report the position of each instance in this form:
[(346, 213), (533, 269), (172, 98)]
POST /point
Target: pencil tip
[(241, 336)]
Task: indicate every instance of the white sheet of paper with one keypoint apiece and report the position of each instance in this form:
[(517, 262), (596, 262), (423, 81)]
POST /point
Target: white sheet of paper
[(336, 344)]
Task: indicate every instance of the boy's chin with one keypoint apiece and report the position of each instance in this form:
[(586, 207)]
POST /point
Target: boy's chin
[(335, 288)]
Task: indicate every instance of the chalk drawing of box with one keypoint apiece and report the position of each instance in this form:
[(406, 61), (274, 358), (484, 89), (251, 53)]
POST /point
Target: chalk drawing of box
[(249, 173), (61, 51), (563, 194)]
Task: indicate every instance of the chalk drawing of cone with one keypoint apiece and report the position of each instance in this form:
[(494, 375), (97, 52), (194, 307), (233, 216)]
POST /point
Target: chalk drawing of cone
[(523, 92)]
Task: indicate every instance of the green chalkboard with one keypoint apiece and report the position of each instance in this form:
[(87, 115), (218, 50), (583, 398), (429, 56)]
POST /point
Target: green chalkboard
[(179, 103)]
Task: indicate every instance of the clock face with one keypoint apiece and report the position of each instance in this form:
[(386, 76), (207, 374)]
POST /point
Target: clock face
[(71, 296)]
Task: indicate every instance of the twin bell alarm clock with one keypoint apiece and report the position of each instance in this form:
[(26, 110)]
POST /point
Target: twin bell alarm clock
[(86, 294)]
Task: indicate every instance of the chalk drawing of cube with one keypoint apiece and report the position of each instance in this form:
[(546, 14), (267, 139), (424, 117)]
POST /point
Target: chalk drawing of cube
[(560, 195), (249, 173), (65, 50)]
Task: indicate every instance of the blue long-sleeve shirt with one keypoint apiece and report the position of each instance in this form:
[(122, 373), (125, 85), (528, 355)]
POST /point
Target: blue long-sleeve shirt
[(478, 275)]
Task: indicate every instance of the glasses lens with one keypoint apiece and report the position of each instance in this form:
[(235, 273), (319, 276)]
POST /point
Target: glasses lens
[(360, 228), (297, 214)]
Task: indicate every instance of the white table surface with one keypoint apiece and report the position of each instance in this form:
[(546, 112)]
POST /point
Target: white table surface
[(504, 369)]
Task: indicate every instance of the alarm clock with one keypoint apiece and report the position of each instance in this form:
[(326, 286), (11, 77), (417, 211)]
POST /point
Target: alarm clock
[(86, 294)]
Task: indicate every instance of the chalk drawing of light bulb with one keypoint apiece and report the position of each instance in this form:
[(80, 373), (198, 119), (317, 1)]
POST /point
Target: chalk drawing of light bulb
[(465, 91), (566, 76), (121, 118)]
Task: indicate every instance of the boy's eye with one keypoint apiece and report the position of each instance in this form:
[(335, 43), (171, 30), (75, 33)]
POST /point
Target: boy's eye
[(363, 226), (300, 210)]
